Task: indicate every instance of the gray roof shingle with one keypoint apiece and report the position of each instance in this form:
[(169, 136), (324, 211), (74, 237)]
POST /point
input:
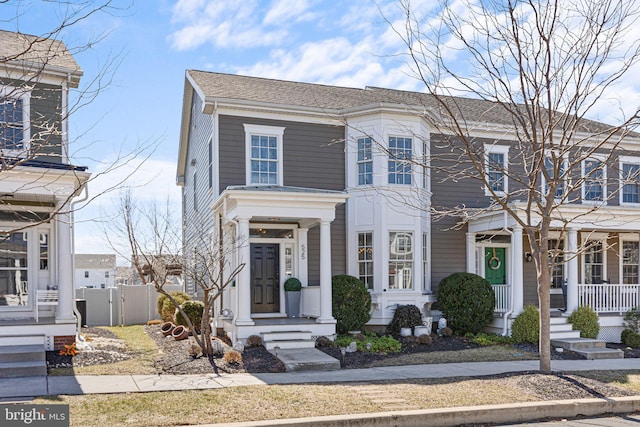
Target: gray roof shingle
[(18, 47)]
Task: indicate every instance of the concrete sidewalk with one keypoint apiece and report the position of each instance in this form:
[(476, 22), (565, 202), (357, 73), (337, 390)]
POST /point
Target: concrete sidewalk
[(17, 388)]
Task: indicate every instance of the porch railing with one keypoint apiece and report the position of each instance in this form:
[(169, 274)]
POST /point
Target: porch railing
[(503, 298), (609, 297)]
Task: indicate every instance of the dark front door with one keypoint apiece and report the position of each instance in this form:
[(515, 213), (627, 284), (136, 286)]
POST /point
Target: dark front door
[(265, 278)]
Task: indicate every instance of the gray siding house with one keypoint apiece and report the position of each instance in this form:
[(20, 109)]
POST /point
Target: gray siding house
[(37, 188), (308, 181)]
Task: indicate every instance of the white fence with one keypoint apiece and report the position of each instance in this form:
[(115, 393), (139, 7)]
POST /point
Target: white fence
[(122, 305), (609, 297), (503, 298)]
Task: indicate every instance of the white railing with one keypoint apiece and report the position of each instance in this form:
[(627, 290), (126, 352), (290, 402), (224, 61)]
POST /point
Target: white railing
[(609, 297), (503, 298)]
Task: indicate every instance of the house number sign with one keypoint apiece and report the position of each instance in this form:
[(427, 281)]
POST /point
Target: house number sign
[(303, 251)]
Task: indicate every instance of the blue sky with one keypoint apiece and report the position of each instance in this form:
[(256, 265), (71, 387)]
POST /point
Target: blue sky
[(325, 41)]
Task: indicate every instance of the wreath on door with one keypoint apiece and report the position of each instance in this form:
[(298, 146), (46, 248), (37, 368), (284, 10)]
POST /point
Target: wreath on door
[(494, 262)]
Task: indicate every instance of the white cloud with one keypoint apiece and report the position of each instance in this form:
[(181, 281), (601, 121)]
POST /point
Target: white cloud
[(284, 10)]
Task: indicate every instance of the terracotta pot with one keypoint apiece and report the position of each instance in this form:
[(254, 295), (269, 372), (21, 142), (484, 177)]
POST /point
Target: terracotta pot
[(167, 328), (180, 333)]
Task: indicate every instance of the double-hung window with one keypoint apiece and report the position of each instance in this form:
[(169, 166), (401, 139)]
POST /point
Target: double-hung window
[(551, 168), (365, 162), (630, 180), (14, 119), (264, 154), (595, 180), (496, 164), (400, 260), (365, 258), (630, 262), (556, 262), (400, 155), (594, 263)]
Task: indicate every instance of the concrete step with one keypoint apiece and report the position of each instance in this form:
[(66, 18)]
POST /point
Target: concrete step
[(12, 340), (561, 327), (286, 335), (558, 320), (564, 335), (22, 353), (289, 344), (306, 359), (574, 344), (23, 369), (601, 353)]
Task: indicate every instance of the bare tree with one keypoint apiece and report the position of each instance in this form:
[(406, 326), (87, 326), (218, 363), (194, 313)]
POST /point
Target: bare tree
[(153, 246), (541, 68)]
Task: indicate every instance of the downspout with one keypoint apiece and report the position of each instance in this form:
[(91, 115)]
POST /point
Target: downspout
[(505, 329), (73, 258)]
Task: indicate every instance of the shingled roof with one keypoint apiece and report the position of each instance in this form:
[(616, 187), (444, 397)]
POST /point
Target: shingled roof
[(221, 86), (18, 48)]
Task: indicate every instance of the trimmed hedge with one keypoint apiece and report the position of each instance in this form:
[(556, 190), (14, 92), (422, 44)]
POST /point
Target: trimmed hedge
[(526, 327), (166, 309), (585, 320), (405, 316), (467, 302), (350, 303), (193, 310)]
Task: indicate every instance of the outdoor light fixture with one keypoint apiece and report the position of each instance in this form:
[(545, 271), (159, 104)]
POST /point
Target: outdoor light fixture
[(528, 257), (226, 313)]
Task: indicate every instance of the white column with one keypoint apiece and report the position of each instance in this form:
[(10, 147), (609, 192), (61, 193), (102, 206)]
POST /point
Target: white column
[(64, 256), (325, 273), (303, 255), (471, 253), (243, 287), (572, 270), (517, 286)]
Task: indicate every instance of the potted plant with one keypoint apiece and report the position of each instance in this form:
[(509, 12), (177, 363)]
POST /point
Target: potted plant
[(292, 288)]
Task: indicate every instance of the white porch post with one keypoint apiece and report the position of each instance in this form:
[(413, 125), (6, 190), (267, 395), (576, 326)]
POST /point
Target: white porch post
[(243, 291), (572, 270), (64, 311), (471, 253), (517, 286), (325, 273)]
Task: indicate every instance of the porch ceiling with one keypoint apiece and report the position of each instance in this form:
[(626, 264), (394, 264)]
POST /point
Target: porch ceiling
[(279, 204), (572, 216)]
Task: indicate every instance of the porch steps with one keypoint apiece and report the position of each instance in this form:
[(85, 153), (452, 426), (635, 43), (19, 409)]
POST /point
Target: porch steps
[(561, 329), (589, 348), (287, 340), (22, 356)]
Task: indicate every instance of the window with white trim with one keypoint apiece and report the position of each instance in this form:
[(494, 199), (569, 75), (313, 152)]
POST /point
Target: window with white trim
[(496, 166), (630, 259), (400, 155), (210, 163), (594, 172), (365, 162), (14, 120), (400, 260), (594, 265), (556, 262), (365, 258), (264, 154), (425, 260), (630, 180), (13, 269), (550, 167)]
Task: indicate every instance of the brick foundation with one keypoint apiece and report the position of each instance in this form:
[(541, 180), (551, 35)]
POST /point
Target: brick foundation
[(59, 341)]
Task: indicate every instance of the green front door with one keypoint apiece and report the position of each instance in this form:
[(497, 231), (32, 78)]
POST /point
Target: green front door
[(495, 270)]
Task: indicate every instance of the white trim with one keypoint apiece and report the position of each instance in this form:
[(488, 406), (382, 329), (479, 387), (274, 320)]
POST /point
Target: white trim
[(262, 130), (500, 149), (602, 159), (397, 134), (598, 238), (385, 280), (565, 168)]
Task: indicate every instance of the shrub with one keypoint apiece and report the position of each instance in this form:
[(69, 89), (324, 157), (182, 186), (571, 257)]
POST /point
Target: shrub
[(323, 342), (526, 327), (166, 309), (193, 310), (446, 332), (254, 341), (490, 339), (425, 339), (232, 357), (405, 316), (632, 320), (630, 338), (384, 344), (467, 302), (350, 302), (292, 285), (585, 320)]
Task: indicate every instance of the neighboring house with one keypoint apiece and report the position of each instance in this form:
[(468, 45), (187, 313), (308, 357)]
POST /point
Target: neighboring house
[(126, 276), (37, 188), (95, 270), (294, 175)]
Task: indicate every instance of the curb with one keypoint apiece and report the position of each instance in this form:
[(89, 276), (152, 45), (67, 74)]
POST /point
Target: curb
[(445, 417)]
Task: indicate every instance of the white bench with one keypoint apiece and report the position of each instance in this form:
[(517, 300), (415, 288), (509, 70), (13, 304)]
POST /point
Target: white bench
[(45, 297)]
